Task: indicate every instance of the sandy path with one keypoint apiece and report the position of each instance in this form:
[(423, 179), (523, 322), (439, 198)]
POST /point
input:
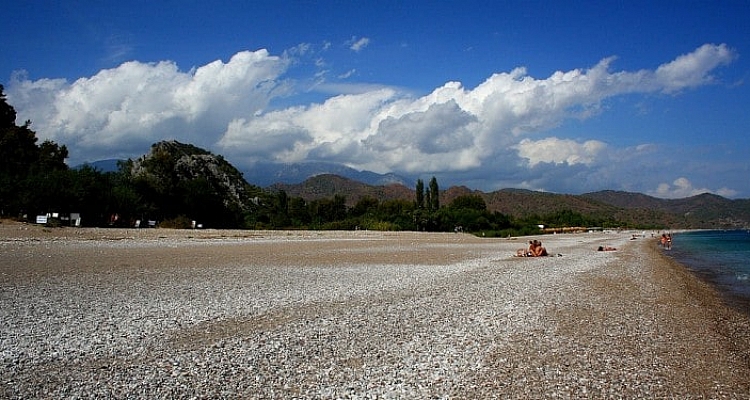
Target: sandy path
[(251, 314)]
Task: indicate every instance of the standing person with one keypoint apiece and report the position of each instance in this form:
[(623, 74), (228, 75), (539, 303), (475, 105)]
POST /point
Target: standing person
[(669, 241)]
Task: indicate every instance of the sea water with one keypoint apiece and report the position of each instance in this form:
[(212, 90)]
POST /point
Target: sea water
[(721, 257)]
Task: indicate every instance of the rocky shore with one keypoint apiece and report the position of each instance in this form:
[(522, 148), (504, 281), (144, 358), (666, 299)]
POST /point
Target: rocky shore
[(155, 313)]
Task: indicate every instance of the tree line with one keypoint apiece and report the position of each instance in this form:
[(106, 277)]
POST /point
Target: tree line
[(34, 180)]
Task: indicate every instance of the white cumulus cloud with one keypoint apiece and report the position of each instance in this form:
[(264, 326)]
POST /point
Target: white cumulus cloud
[(682, 187), (323, 130), (494, 131), (558, 151), (693, 69), (136, 104)]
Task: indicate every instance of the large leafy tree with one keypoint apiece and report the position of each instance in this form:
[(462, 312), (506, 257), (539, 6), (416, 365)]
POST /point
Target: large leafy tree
[(32, 177), (329, 209), (7, 113), (468, 201)]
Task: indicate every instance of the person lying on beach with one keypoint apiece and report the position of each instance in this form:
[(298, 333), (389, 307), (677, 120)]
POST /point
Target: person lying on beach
[(606, 248)]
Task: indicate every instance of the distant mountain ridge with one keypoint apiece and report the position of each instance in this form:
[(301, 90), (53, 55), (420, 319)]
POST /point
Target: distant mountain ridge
[(329, 185), (109, 165), (706, 211), (702, 209), (268, 174), (314, 181)]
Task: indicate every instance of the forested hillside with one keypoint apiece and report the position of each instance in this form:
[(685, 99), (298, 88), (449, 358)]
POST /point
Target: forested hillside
[(619, 208)]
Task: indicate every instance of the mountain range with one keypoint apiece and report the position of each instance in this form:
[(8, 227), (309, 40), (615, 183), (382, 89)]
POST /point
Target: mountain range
[(317, 180), (705, 211), (268, 174)]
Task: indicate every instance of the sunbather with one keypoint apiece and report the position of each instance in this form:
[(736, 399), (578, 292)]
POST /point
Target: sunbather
[(539, 250), (526, 252), (535, 250)]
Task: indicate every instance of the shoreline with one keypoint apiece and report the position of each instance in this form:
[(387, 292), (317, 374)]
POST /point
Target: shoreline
[(730, 313), (736, 297), (729, 296), (315, 314)]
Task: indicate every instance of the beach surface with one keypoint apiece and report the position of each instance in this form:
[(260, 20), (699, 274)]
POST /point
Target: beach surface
[(157, 313)]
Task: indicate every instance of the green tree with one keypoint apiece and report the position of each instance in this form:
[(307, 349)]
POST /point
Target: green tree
[(98, 195), (51, 157), (200, 202), (434, 195), (399, 212), (32, 178), (7, 112), (329, 210), (365, 205), (280, 217), (419, 200), (468, 201), (298, 213), (18, 150)]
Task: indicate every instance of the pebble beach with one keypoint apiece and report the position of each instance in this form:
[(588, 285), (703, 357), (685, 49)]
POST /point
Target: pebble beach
[(196, 314)]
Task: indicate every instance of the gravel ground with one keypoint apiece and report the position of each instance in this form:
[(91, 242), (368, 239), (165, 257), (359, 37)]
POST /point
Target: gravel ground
[(87, 313)]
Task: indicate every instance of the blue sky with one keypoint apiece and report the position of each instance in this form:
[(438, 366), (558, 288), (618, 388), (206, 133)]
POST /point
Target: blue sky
[(567, 97)]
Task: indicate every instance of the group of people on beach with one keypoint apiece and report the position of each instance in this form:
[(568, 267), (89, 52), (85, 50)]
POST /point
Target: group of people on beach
[(535, 250)]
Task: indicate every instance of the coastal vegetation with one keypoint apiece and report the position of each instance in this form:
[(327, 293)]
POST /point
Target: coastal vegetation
[(182, 186)]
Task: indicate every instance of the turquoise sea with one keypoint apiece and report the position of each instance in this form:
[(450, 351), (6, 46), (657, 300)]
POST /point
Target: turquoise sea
[(721, 257)]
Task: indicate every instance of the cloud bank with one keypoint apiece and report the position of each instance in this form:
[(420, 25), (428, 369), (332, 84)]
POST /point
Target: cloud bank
[(492, 133)]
